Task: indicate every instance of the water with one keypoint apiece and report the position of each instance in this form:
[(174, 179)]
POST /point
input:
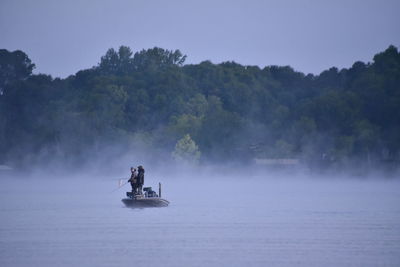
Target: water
[(254, 222)]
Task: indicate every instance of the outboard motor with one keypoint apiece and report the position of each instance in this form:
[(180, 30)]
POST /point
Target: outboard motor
[(148, 192)]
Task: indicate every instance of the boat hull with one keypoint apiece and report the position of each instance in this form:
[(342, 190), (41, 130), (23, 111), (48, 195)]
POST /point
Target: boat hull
[(152, 202)]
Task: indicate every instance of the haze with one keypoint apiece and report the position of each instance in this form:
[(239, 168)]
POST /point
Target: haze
[(62, 37), (261, 166)]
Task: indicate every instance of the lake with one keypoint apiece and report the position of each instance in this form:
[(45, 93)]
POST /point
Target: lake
[(252, 221)]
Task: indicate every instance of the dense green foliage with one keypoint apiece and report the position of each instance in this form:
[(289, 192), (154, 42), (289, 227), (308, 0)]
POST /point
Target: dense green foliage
[(186, 151), (229, 110)]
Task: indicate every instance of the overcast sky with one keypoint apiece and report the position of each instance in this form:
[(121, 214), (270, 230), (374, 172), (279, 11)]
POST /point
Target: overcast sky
[(64, 36)]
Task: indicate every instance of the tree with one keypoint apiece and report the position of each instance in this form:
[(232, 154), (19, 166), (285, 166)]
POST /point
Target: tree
[(227, 108), (155, 58), (14, 66), (283, 149), (186, 151), (367, 137), (117, 63), (105, 105)]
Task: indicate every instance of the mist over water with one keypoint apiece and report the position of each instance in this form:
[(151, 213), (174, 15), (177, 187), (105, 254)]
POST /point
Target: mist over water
[(263, 163), (214, 219)]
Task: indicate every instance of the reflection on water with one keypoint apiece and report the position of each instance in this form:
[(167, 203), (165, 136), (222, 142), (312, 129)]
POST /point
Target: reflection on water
[(225, 223)]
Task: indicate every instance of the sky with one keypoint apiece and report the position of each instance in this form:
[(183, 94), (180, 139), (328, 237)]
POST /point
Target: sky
[(65, 36)]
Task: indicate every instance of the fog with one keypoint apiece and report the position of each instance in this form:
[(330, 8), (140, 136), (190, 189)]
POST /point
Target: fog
[(218, 216), (262, 164)]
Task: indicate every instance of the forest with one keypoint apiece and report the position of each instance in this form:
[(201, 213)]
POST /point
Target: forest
[(150, 100)]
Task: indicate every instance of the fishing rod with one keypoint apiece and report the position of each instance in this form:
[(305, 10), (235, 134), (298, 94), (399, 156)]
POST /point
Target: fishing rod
[(120, 185)]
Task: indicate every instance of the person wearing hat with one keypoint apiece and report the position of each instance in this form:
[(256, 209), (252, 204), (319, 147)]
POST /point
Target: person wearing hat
[(140, 178), (134, 181)]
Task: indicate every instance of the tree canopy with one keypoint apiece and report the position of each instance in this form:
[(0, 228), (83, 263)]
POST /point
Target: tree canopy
[(229, 111)]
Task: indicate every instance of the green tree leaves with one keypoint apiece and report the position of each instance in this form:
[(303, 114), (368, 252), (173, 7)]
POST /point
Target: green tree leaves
[(186, 151), (14, 66), (232, 111), (156, 58)]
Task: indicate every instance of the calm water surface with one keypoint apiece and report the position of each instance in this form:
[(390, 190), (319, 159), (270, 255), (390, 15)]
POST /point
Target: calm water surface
[(257, 222)]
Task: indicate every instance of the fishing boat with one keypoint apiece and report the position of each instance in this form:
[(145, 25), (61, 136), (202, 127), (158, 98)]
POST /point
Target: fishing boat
[(149, 199)]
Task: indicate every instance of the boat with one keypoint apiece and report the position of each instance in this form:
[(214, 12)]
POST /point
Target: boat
[(149, 199)]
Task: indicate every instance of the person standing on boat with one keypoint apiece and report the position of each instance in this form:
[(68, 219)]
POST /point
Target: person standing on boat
[(134, 180), (140, 178)]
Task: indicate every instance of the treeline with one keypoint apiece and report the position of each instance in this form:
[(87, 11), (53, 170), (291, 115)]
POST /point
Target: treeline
[(152, 99)]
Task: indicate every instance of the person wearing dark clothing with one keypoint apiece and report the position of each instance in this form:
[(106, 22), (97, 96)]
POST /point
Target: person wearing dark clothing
[(140, 179), (133, 180)]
